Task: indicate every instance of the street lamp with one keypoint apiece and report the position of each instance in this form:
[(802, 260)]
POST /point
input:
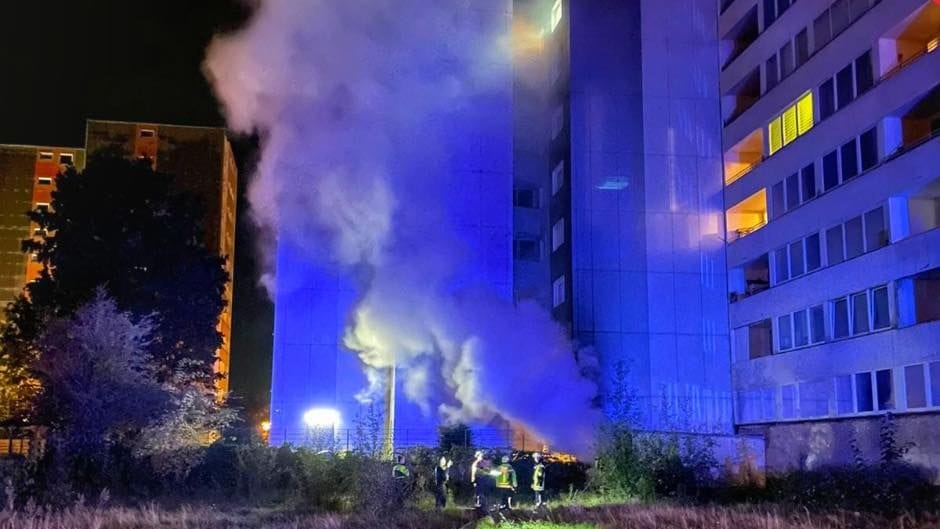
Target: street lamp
[(321, 417)]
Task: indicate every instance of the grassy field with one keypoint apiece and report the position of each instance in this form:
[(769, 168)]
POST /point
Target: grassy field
[(607, 517)]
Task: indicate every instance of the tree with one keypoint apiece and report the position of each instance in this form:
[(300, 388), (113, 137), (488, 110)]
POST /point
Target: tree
[(119, 224)]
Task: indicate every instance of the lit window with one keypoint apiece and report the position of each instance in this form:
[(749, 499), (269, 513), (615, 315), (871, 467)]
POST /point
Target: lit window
[(556, 14), (558, 177), (775, 134), (789, 125), (66, 159), (45, 155), (42, 206), (793, 122), (44, 181), (147, 133), (804, 110), (558, 291), (933, 45), (558, 234)]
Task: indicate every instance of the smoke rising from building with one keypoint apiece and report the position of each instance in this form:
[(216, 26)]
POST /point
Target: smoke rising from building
[(356, 103)]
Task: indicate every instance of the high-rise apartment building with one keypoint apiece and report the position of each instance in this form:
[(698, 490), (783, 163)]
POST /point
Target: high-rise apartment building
[(201, 160), (831, 114)]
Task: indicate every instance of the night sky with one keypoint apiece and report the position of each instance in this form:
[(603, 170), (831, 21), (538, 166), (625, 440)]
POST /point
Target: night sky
[(62, 61)]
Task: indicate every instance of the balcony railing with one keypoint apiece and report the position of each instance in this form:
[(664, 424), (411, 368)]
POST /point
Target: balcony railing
[(744, 232)]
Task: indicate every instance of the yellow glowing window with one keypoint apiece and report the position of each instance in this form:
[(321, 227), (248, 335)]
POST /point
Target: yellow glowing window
[(556, 14), (775, 136), (804, 111), (789, 125)]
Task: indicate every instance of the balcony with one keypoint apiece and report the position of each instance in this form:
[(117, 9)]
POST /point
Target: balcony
[(742, 97), (749, 279), (741, 36), (745, 156), (747, 216), (916, 36)]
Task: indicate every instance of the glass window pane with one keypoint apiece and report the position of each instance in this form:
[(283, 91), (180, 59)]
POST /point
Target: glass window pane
[(796, 259), (863, 398), (774, 136), (804, 113), (777, 202), (876, 236), (854, 245), (860, 313), (789, 125), (793, 191), (885, 389), (849, 160), (840, 16), (802, 47), (845, 89), (827, 99), (812, 253), (760, 339), (844, 394), (822, 31), (840, 318), (771, 72), (786, 60), (786, 332), (869, 148), (834, 246), (800, 329), (817, 317), (864, 78), (880, 309), (770, 12), (808, 182), (916, 390), (781, 265), (935, 383), (831, 170)]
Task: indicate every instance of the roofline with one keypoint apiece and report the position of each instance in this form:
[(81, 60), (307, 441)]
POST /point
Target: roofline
[(24, 146), (157, 124)]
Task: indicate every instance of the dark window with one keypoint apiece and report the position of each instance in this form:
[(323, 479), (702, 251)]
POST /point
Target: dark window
[(793, 191), (834, 245), (66, 159), (771, 72), (869, 147), (817, 316), (526, 249), (879, 308), (760, 339), (800, 329), (802, 47), (863, 396), (840, 318), (808, 182), (845, 90), (525, 198), (831, 170), (786, 332), (916, 389), (827, 99), (849, 160), (782, 5), (796, 259), (44, 181), (864, 77), (781, 265), (935, 382), (885, 389), (812, 253), (860, 313), (840, 16), (786, 60), (147, 133), (876, 236), (770, 12), (776, 200), (854, 244), (822, 31)]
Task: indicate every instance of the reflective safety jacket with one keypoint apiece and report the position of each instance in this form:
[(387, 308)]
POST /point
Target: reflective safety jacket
[(506, 479), (400, 471), (538, 478)]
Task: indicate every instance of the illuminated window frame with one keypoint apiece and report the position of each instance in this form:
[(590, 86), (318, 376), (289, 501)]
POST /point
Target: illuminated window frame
[(796, 120), (67, 156), (46, 155)]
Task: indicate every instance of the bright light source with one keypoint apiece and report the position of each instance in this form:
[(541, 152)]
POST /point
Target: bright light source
[(320, 417), (556, 14), (265, 426)]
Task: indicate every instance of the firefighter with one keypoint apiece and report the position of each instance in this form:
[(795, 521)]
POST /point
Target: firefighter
[(505, 483), (441, 477), (399, 470), (478, 471), (538, 479)]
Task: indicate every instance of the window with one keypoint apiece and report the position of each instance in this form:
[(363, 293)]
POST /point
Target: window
[(42, 206), (525, 198), (797, 266), (38, 232), (916, 387), (814, 398), (781, 266), (844, 400), (558, 177), (876, 235), (860, 313), (800, 329), (759, 339), (526, 249), (802, 47), (66, 159), (793, 191), (777, 202), (558, 291), (831, 170), (44, 181), (934, 370), (840, 16), (785, 332), (854, 242), (845, 91), (808, 182), (556, 14), (804, 110), (840, 318), (864, 400), (817, 323), (849, 158), (881, 311), (885, 389), (45, 155), (786, 60), (869, 148), (770, 12), (822, 31), (558, 234), (864, 76), (771, 73), (834, 246), (558, 122), (796, 120), (813, 260), (147, 133), (827, 99)]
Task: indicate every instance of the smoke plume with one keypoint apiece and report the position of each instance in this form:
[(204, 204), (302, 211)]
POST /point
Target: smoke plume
[(356, 103)]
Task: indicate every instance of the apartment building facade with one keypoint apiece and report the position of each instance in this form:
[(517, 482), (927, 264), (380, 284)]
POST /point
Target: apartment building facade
[(831, 136)]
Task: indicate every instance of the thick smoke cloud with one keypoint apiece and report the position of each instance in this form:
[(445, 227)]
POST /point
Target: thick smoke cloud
[(354, 100)]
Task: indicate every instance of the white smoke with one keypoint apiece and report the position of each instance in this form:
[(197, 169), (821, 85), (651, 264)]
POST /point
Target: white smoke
[(352, 98)]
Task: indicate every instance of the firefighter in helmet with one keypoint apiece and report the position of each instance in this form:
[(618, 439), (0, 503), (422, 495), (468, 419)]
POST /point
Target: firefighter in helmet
[(538, 478), (505, 483), (478, 471), (399, 470)]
